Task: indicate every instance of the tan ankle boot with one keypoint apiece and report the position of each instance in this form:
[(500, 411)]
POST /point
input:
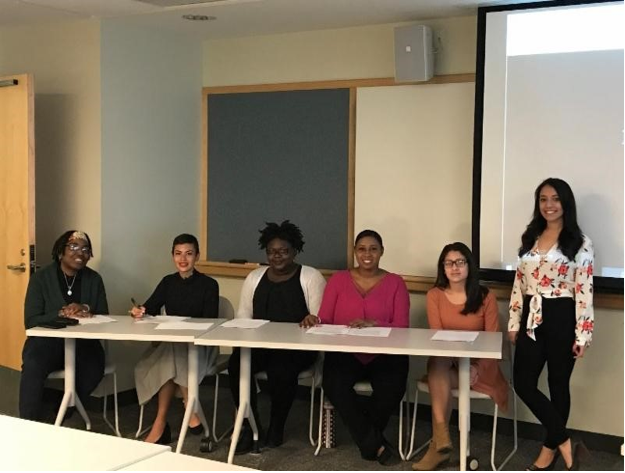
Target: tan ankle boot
[(431, 460), (440, 436)]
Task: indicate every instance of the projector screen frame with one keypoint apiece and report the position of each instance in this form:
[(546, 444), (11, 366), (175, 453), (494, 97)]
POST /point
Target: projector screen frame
[(604, 285)]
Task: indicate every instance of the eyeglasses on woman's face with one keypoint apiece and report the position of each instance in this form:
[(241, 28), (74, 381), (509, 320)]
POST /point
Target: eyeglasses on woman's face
[(458, 263), (73, 247)]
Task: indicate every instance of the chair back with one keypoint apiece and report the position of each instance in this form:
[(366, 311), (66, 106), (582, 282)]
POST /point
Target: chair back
[(226, 310)]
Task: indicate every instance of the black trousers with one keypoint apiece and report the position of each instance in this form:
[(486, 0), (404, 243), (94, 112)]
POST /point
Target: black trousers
[(365, 419), (554, 344), (41, 356), (282, 367)]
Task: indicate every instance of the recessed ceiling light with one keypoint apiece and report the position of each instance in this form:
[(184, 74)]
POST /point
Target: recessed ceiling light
[(199, 17)]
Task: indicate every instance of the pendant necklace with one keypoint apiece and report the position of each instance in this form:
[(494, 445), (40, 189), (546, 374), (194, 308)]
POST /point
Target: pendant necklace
[(69, 286)]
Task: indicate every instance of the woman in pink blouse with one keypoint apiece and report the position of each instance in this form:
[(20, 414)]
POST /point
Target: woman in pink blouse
[(551, 315), (458, 302), (365, 296)]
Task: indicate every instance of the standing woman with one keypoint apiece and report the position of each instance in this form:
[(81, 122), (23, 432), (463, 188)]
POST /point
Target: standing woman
[(366, 296), (65, 288), (551, 315), (284, 291), (458, 302), (163, 367)]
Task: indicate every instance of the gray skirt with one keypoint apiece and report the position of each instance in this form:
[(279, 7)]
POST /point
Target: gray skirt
[(166, 361)]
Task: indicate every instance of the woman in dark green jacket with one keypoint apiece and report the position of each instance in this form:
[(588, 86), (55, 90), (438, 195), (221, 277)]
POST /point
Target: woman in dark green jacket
[(65, 288)]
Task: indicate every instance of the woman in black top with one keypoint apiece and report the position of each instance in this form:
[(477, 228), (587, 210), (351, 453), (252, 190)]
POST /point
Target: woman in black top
[(163, 368), (284, 291), (65, 288)]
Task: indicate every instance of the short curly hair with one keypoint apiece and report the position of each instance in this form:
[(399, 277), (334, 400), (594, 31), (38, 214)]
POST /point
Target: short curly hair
[(285, 231)]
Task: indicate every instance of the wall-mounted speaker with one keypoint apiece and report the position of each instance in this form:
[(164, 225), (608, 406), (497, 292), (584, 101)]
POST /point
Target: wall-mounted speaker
[(414, 55)]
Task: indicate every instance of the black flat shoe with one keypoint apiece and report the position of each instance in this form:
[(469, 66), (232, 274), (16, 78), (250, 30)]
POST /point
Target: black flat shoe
[(197, 430), (549, 467), (246, 441), (165, 438)]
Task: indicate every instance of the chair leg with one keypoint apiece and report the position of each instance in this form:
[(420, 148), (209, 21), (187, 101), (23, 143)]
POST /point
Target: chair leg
[(105, 404), (493, 442), (218, 438), (516, 438), (320, 432), (401, 428), (140, 430), (311, 414)]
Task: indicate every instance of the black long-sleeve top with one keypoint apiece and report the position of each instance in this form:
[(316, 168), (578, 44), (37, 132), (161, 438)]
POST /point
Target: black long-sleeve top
[(196, 296), (45, 296)]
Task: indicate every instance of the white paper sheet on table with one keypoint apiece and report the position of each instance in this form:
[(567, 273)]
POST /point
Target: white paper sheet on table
[(96, 319), (370, 332), (159, 319), (455, 336), (183, 325), (244, 323), (345, 330), (328, 330)]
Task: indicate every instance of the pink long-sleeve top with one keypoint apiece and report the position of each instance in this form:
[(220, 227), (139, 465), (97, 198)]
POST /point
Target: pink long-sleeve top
[(387, 303)]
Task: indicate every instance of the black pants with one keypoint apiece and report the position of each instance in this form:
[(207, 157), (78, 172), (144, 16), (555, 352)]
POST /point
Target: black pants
[(554, 344), (41, 356), (366, 422), (282, 367)]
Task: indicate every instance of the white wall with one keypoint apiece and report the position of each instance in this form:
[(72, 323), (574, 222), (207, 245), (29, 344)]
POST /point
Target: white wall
[(151, 89), (64, 59), (368, 52)]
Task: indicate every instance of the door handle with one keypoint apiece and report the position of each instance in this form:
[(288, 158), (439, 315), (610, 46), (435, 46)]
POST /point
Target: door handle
[(21, 267)]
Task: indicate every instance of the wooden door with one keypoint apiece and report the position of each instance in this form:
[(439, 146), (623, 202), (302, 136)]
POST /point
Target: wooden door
[(17, 210)]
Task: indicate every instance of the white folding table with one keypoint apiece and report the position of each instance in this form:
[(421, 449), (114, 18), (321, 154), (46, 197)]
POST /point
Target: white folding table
[(401, 341), (128, 329), (33, 446)]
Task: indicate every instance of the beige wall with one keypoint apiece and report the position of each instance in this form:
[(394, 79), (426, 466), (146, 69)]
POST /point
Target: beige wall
[(65, 61), (366, 52), (349, 53)]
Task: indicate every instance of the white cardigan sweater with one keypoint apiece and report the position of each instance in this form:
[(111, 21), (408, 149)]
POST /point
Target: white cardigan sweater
[(312, 281)]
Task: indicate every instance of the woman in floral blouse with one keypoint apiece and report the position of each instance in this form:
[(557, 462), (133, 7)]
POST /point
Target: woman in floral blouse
[(551, 315)]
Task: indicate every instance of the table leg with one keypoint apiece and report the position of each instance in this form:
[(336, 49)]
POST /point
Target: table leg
[(193, 401), (463, 408), (244, 402), (70, 379)]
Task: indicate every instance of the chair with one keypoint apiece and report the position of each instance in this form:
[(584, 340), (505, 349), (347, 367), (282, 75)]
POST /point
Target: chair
[(362, 387), (216, 365), (110, 369), (472, 462)]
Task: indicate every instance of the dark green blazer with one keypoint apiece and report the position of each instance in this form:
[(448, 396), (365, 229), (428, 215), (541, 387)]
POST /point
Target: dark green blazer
[(44, 298)]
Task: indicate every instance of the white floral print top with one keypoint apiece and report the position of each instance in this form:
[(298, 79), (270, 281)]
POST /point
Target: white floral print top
[(553, 275)]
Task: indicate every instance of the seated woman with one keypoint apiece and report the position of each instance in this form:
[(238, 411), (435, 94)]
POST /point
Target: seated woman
[(458, 302), (282, 292), (365, 296), (65, 288), (163, 368)]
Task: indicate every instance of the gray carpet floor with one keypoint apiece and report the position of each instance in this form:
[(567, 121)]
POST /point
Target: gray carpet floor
[(297, 453)]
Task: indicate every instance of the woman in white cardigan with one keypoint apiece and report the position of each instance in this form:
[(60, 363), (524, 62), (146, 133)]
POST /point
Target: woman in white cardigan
[(283, 291)]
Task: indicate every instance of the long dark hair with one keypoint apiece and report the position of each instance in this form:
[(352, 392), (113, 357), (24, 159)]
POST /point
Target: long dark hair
[(475, 292), (61, 242), (571, 238)]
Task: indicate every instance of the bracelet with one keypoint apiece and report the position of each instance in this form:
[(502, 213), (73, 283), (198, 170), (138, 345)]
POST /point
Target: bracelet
[(88, 308)]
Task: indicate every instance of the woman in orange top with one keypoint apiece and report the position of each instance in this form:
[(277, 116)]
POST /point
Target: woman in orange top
[(458, 302)]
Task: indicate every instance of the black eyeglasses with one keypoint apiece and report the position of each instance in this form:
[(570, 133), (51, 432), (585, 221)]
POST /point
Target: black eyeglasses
[(86, 250), (458, 263)]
